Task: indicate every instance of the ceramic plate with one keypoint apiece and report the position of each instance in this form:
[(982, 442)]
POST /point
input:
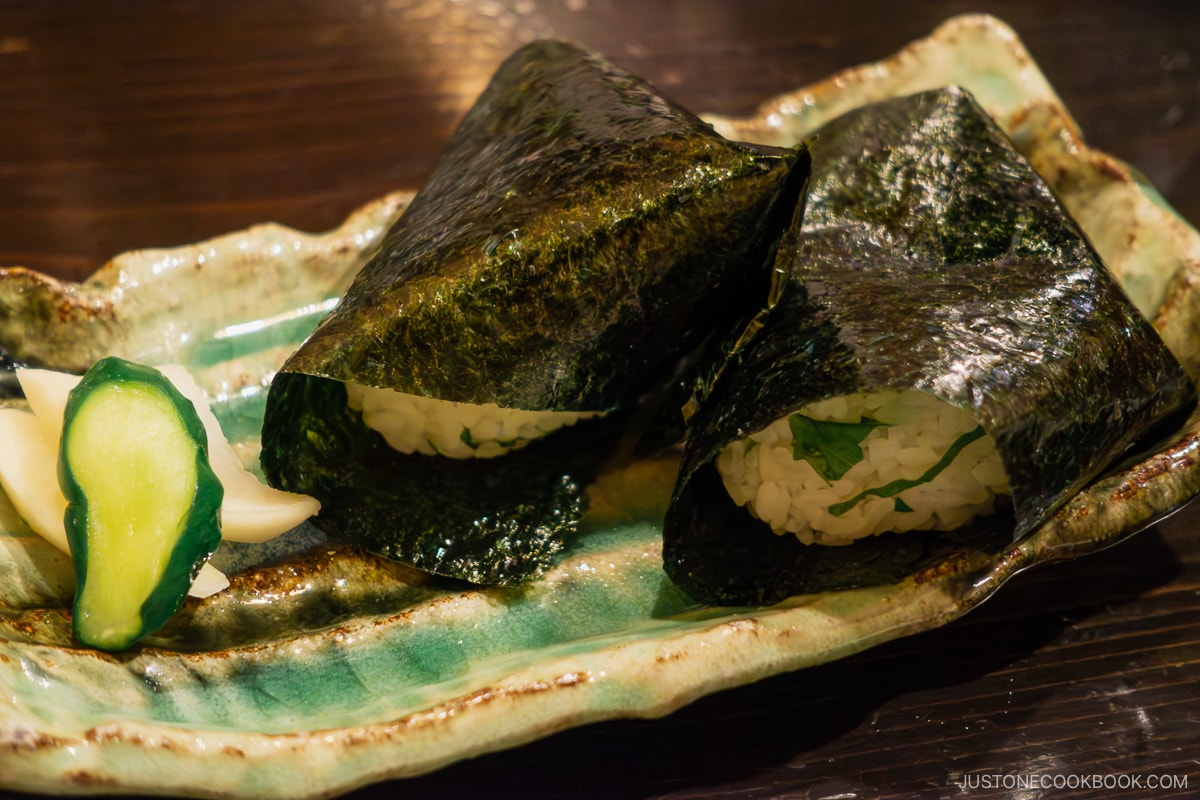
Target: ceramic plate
[(321, 669)]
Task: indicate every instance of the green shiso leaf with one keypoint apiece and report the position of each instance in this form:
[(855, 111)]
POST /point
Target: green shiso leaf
[(578, 240), (467, 439), (893, 488), (830, 446), (932, 257)]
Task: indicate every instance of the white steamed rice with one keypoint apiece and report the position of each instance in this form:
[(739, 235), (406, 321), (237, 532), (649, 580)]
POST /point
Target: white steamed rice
[(413, 424), (760, 472)]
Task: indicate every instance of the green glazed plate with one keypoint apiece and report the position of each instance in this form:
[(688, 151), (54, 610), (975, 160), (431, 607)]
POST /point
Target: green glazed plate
[(322, 669)]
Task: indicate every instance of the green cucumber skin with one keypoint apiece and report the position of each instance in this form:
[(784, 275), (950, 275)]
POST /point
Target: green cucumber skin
[(201, 533)]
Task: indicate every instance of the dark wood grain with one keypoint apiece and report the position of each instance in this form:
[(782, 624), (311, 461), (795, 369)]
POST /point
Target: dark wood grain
[(143, 124), (137, 124)]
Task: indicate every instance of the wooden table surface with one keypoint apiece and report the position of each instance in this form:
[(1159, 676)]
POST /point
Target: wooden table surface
[(137, 124)]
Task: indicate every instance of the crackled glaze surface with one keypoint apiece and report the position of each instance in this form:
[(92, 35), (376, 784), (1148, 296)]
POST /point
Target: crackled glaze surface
[(323, 669)]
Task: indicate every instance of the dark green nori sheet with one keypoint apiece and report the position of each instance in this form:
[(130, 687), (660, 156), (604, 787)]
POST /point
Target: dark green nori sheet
[(489, 521), (579, 236), (578, 233), (931, 256), (9, 387)]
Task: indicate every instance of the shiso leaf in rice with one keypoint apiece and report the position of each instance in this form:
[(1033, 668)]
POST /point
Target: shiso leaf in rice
[(579, 239), (931, 257), (831, 447)]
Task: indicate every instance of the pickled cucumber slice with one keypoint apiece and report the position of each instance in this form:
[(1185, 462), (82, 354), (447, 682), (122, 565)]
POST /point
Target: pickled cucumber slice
[(251, 510), (142, 501)]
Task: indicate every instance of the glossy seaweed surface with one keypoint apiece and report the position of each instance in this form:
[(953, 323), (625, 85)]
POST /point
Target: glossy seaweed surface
[(578, 238), (931, 257), (578, 233)]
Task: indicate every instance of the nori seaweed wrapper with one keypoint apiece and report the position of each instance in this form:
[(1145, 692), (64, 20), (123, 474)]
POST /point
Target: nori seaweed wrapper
[(931, 256), (578, 240), (9, 386)]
